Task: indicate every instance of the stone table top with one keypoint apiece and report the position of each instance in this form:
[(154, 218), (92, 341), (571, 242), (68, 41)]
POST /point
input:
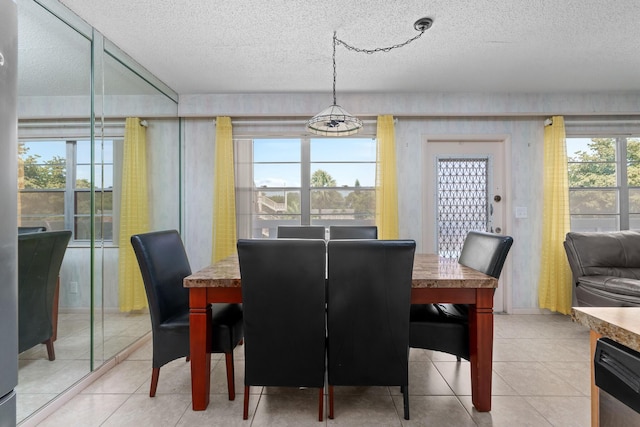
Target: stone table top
[(621, 324), (429, 271)]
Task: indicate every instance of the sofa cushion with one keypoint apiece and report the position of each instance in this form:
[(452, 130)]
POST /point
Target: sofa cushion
[(616, 285)]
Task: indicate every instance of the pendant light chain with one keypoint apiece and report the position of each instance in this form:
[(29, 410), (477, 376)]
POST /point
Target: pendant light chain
[(377, 49), (335, 42)]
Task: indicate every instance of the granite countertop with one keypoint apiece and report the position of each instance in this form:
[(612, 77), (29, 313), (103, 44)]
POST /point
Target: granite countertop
[(621, 324), (429, 271)]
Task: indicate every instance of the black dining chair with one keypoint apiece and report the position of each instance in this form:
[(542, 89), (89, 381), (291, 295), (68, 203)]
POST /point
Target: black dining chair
[(163, 263), (337, 232), (301, 232), (283, 295), (40, 256), (369, 295), (445, 327)]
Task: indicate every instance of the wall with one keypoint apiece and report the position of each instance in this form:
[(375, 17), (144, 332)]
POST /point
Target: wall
[(518, 117)]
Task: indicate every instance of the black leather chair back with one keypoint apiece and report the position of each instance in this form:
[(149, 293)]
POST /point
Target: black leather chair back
[(163, 263), (485, 252), (369, 295), (283, 296), (40, 257), (353, 232), (301, 232)]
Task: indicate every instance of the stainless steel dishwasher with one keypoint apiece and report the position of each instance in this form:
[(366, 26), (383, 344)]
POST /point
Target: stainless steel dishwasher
[(617, 375)]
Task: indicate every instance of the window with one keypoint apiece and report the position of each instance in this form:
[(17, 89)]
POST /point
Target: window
[(55, 186), (312, 181), (604, 183)]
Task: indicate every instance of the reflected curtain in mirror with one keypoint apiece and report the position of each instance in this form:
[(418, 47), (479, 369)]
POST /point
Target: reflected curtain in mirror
[(554, 286), (386, 180), (134, 214), (224, 194)]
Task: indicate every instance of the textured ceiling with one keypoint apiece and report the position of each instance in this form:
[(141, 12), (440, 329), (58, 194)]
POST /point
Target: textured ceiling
[(210, 46)]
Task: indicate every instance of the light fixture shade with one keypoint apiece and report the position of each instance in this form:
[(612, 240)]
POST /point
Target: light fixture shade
[(334, 121)]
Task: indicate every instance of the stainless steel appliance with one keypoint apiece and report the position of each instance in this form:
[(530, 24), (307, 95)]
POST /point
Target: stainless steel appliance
[(8, 212), (617, 375)]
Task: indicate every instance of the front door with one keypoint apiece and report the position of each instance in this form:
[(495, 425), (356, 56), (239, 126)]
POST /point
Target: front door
[(464, 191)]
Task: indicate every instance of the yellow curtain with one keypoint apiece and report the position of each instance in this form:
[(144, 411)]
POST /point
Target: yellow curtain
[(224, 193), (134, 214), (386, 180), (554, 286)]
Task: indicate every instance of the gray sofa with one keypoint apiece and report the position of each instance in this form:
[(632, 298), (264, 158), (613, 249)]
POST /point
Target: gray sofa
[(605, 267)]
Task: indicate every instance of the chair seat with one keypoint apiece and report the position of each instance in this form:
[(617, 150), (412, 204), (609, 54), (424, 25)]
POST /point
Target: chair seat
[(227, 327), (433, 329)]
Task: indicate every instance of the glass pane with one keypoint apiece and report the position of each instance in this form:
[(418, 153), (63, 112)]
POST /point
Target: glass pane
[(361, 202), (634, 222), (595, 223), (41, 202), (633, 174), (47, 176), (104, 228), (343, 174), (278, 202), (633, 149), (103, 202), (276, 175), (104, 176), (591, 149), (593, 202), (83, 152), (328, 202), (634, 200), (43, 151), (591, 162), (276, 150), (83, 176), (343, 149)]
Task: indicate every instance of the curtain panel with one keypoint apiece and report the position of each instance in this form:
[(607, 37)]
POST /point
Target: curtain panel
[(134, 214), (554, 285), (386, 180), (224, 195)]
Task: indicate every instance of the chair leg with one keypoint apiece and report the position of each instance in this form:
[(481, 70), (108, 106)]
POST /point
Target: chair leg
[(231, 384), (50, 351), (330, 402), (320, 403), (155, 374), (458, 358), (405, 396), (245, 412)]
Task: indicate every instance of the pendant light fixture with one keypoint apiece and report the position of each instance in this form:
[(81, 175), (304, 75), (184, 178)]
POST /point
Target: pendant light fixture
[(335, 120)]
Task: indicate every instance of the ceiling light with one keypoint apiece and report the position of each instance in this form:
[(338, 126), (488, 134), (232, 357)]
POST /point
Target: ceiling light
[(335, 120)]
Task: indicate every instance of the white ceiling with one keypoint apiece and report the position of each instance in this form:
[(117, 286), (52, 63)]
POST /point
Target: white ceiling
[(210, 46)]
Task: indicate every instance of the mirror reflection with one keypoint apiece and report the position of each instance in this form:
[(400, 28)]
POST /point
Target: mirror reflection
[(70, 178)]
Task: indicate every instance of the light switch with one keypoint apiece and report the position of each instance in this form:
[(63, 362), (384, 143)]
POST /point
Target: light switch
[(521, 212)]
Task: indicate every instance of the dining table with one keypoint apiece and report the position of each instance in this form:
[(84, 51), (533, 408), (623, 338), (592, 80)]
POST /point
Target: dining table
[(435, 279)]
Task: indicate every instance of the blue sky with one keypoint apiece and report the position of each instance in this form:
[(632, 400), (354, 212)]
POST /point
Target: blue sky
[(326, 154)]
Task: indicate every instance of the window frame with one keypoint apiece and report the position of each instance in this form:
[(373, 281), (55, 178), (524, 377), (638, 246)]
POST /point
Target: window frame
[(622, 188), (306, 216)]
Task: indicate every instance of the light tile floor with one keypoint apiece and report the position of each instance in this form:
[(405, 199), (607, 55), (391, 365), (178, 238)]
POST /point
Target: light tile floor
[(540, 378), (41, 380)]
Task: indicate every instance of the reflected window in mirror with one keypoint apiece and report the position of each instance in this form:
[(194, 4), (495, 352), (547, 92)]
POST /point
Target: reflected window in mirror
[(55, 186)]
